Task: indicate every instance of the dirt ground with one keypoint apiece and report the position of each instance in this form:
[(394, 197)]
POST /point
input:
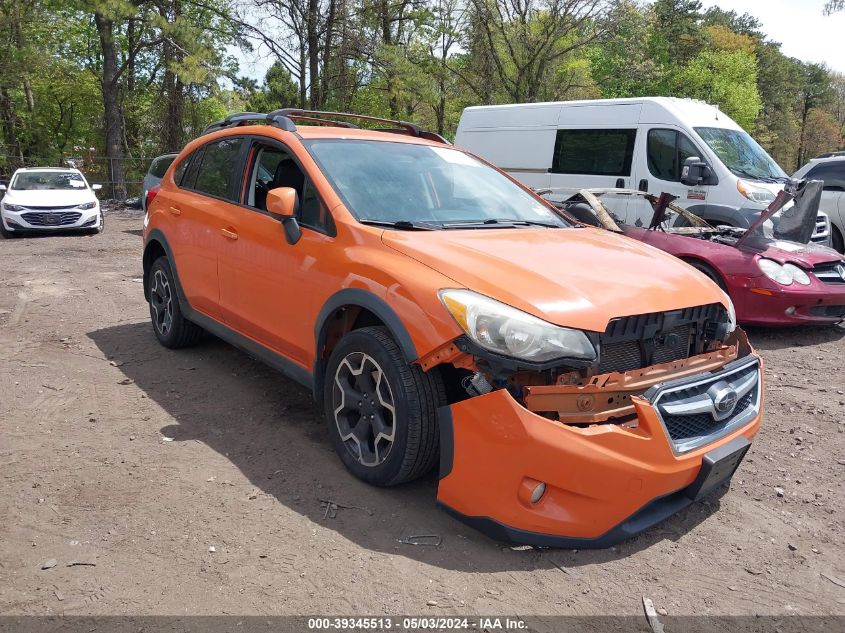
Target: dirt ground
[(194, 479)]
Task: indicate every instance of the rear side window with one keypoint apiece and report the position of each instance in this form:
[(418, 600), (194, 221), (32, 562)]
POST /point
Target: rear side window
[(181, 168), (595, 152), (667, 150), (833, 175), (160, 165), (216, 170)]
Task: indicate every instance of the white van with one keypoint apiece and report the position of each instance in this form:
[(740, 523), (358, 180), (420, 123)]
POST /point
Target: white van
[(681, 146)]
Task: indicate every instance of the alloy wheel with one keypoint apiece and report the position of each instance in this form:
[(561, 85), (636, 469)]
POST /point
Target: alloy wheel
[(364, 409), (161, 301)]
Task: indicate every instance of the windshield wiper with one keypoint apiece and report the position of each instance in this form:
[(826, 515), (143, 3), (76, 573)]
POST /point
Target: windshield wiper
[(742, 172), (402, 225), (498, 224)]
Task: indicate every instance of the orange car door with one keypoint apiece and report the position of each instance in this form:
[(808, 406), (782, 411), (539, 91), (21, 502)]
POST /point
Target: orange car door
[(261, 290), (197, 211)]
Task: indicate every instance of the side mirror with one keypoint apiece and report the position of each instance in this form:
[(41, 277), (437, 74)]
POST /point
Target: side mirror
[(284, 202), (694, 172), (2, 187), (96, 187)]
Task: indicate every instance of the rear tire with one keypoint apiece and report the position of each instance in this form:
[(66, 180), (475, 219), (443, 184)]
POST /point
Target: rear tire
[(381, 411), (171, 328)]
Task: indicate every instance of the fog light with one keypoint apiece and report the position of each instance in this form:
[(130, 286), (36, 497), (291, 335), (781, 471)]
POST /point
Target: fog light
[(538, 492), (789, 311)]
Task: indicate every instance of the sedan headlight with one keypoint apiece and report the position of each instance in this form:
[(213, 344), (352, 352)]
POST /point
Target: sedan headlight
[(504, 330), (783, 274), (760, 195), (86, 205), (12, 207)]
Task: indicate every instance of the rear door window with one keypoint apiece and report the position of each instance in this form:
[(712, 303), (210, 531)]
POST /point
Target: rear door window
[(594, 152), (216, 171)]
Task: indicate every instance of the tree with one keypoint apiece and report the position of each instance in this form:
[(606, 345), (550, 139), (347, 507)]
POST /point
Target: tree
[(726, 78), (815, 91), (621, 64), (526, 42), (821, 133)]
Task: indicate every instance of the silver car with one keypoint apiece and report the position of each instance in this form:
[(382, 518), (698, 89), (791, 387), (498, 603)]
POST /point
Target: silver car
[(155, 173)]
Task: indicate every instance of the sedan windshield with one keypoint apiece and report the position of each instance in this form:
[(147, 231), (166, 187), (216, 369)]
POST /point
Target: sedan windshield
[(35, 180), (741, 154), (435, 187)]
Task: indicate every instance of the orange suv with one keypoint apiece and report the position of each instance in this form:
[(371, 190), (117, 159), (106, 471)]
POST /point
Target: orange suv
[(575, 386)]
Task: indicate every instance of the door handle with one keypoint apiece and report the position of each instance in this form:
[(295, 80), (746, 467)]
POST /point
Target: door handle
[(643, 185), (620, 183), (229, 234), (175, 210)]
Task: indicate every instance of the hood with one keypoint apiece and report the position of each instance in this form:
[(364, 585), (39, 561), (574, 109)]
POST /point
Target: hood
[(795, 223), (804, 255), (49, 197), (578, 277)]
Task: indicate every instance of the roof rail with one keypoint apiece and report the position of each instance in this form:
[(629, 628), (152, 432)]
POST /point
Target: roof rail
[(285, 117), (242, 118)]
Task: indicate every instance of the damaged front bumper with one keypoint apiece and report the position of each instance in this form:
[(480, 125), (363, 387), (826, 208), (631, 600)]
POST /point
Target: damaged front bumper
[(651, 442)]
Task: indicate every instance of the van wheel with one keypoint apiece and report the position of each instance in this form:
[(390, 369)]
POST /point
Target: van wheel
[(171, 328), (381, 411), (710, 272)]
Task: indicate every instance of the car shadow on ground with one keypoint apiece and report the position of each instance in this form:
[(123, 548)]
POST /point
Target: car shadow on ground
[(269, 428), (773, 338)]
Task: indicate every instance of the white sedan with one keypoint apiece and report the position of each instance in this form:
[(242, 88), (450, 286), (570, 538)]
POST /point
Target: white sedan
[(49, 199)]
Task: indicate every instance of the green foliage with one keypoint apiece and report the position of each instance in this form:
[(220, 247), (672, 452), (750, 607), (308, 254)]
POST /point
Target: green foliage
[(726, 78), (422, 60)]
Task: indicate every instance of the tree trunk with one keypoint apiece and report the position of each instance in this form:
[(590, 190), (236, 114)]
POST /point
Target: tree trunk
[(112, 118), (313, 36), (10, 134), (174, 89)]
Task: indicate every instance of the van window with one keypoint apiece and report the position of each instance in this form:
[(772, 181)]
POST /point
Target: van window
[(594, 152), (160, 165), (667, 150), (217, 167)]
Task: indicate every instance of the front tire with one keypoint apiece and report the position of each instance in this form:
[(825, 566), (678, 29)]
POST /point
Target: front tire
[(714, 276), (381, 411), (171, 328)]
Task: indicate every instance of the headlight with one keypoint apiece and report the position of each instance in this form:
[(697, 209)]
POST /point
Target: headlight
[(783, 274), (87, 205), (798, 275), (731, 316), (12, 207), (760, 195), (505, 330)]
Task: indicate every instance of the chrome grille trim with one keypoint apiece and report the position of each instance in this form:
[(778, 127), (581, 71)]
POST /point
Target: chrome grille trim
[(677, 402)]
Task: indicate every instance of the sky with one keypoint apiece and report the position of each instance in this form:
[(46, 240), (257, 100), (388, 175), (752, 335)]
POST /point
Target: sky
[(799, 25)]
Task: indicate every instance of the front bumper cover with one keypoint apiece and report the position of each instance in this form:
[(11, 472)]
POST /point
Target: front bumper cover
[(604, 483)]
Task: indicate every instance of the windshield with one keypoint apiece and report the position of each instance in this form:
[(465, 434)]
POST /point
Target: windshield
[(382, 181), (33, 180), (741, 154)]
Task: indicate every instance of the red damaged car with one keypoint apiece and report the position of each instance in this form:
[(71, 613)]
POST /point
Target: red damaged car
[(772, 272)]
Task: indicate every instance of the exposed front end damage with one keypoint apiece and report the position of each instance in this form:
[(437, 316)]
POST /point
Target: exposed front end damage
[(582, 457)]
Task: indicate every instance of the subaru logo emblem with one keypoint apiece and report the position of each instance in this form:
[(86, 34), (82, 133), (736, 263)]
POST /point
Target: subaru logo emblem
[(724, 399)]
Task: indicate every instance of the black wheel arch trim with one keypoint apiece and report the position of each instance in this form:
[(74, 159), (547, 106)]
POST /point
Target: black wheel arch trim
[(362, 299), (245, 344)]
